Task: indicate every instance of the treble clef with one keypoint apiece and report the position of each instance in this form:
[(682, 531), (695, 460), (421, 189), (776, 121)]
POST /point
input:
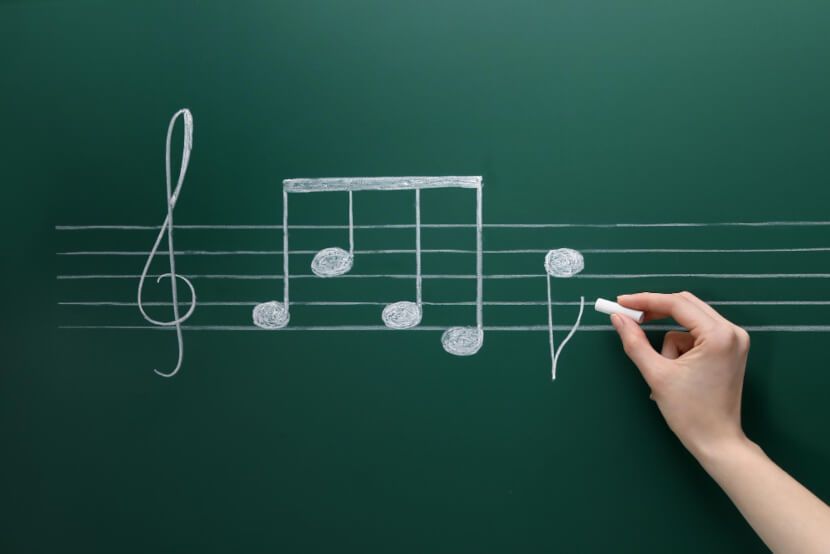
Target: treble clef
[(172, 197)]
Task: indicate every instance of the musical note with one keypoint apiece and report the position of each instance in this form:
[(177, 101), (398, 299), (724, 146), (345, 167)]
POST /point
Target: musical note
[(273, 314), (334, 261), (406, 314), (466, 341), (329, 262), (562, 263), (167, 225)]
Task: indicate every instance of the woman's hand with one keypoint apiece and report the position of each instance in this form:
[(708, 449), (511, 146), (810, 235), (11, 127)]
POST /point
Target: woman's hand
[(697, 378), (697, 381)]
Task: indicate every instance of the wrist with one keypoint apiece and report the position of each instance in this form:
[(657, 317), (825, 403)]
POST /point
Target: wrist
[(715, 453)]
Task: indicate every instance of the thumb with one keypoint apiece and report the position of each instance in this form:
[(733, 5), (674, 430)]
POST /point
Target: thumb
[(636, 345)]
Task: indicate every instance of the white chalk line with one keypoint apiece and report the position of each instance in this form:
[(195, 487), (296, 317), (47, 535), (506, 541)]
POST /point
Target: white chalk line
[(461, 303), (285, 270), (306, 276), (172, 197), (479, 262), (450, 251), (479, 277), (419, 286), (330, 184), (351, 223), (492, 328), (703, 275), (459, 225)]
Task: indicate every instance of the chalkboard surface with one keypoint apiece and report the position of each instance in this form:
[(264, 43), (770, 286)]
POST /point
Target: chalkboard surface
[(577, 115)]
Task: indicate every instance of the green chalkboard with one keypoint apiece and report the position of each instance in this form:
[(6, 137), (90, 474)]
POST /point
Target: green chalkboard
[(591, 124)]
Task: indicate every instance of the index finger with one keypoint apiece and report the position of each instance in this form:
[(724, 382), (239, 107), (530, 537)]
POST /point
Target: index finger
[(659, 306)]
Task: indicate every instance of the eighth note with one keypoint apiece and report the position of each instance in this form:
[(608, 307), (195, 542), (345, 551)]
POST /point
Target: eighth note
[(562, 263), (406, 314), (333, 261), (167, 225)]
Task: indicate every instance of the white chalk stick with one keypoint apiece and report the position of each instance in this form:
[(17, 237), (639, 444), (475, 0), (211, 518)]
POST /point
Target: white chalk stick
[(608, 307)]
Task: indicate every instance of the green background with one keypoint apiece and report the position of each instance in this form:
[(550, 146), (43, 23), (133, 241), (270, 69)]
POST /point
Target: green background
[(572, 111)]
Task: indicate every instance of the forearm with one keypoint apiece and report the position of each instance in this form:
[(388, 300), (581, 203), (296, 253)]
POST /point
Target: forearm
[(787, 516)]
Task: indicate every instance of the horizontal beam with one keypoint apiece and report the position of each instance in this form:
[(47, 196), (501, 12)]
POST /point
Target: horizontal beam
[(380, 183)]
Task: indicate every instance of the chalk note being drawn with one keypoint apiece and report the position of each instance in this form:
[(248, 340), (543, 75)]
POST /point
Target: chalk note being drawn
[(336, 261), (562, 263)]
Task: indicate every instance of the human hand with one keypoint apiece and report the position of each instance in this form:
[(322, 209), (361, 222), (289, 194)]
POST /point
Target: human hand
[(698, 377)]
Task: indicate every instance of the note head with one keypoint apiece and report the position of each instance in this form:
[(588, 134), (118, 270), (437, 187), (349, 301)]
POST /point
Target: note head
[(564, 262), (402, 315), (462, 341), (331, 262), (271, 315)]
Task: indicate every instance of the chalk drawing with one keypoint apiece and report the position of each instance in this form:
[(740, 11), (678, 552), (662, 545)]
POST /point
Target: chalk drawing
[(430, 328), (451, 251), (466, 341), (462, 225), (273, 314), (471, 276), (167, 225), (405, 314), (339, 262), (334, 261), (562, 263), (208, 304)]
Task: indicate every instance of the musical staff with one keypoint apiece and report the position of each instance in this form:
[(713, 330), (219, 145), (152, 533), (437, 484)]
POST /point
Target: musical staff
[(768, 259), (561, 265)]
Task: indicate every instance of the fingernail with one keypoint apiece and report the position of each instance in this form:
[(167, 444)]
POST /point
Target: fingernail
[(616, 321)]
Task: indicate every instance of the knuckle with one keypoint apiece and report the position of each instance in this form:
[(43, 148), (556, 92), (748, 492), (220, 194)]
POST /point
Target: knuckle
[(730, 337), (688, 295), (742, 338), (722, 339)]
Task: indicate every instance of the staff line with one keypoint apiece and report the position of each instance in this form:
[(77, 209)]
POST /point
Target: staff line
[(460, 225), (493, 276), (450, 251), (492, 328), (458, 303)]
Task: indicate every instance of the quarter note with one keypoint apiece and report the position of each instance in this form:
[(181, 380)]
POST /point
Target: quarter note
[(167, 225)]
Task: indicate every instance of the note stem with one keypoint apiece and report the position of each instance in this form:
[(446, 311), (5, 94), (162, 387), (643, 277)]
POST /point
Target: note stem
[(418, 282), (285, 248), (351, 225)]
